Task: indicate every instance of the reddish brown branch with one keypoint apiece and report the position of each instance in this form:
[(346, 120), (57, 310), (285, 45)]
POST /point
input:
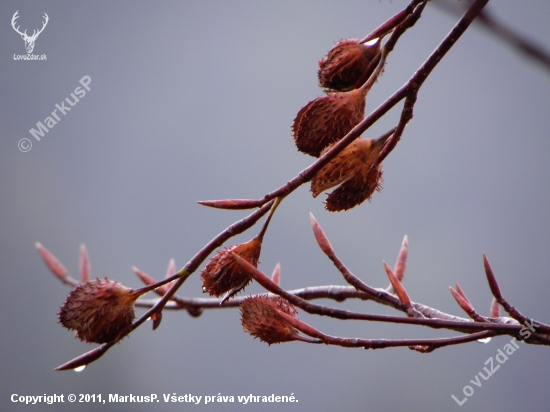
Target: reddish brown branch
[(465, 304), (419, 314), (463, 325), (517, 41), (391, 23), (401, 262), (307, 174), (324, 244), (333, 292), (409, 90), (233, 230), (513, 312), (86, 358)]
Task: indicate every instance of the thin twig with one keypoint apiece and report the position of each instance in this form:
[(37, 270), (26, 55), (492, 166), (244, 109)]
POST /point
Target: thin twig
[(389, 24), (464, 325), (512, 311), (233, 230), (422, 315), (420, 345), (465, 304), (409, 90), (324, 244), (307, 174), (335, 292), (401, 262), (517, 41)]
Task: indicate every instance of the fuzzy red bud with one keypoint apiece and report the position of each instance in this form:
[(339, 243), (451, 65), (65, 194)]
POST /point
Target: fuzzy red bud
[(348, 65), (260, 318)]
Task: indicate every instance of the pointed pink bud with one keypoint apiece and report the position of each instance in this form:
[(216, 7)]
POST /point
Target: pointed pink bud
[(55, 266), (236, 204), (461, 292), (85, 269), (145, 278), (397, 286), (495, 309), (320, 236), (401, 262), (171, 270), (463, 303), (276, 275), (491, 279)]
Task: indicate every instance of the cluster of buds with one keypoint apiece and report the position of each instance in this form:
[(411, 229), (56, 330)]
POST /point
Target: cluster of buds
[(356, 173), (102, 310), (326, 119), (348, 71)]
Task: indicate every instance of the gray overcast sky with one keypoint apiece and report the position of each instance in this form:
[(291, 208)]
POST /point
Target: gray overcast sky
[(194, 100)]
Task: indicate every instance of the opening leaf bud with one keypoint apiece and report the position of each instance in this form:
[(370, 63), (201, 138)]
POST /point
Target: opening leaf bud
[(260, 318), (348, 65), (327, 119), (224, 275), (351, 170), (99, 311)]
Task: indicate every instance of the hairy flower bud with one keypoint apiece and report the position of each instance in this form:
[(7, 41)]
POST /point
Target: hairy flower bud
[(260, 318), (347, 65), (351, 169), (224, 275), (99, 310), (327, 119)]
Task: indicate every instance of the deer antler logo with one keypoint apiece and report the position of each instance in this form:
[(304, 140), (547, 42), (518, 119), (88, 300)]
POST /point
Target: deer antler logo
[(29, 40)]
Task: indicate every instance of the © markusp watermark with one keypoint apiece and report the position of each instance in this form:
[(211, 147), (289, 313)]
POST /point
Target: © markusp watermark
[(43, 127)]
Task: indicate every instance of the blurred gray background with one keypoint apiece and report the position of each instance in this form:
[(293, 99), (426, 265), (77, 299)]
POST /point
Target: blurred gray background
[(194, 100)]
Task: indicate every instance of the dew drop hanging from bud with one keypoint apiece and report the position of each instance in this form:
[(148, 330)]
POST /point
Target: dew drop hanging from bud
[(80, 368)]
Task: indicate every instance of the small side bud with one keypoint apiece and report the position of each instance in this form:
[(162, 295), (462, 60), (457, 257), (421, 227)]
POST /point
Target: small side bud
[(398, 287), (494, 309), (55, 266), (276, 275), (260, 318), (85, 268), (464, 304)]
